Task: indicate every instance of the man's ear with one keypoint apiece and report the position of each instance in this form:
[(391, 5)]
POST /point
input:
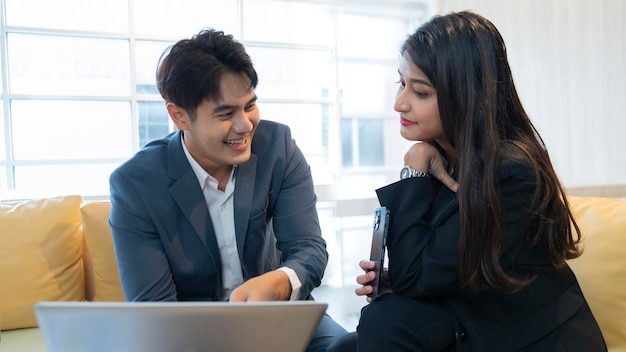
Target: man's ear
[(179, 116)]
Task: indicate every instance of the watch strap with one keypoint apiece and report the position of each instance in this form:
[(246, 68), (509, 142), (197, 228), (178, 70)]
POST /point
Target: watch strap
[(408, 172)]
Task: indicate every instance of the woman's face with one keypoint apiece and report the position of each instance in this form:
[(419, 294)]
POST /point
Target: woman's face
[(416, 101)]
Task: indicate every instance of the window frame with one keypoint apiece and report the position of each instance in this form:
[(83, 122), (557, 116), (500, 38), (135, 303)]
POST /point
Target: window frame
[(338, 173)]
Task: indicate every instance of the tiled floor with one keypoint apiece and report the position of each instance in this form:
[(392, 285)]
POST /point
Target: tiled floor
[(344, 306)]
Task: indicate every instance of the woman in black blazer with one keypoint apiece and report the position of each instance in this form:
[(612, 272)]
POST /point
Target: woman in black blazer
[(480, 228)]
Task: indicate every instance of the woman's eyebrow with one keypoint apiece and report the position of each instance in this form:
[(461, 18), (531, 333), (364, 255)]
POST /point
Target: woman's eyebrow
[(420, 81), (417, 80)]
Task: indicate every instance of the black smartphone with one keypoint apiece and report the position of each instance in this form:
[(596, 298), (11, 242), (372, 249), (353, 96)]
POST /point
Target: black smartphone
[(379, 241)]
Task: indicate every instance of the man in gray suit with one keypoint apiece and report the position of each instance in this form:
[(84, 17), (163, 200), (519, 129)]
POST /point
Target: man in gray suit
[(224, 208)]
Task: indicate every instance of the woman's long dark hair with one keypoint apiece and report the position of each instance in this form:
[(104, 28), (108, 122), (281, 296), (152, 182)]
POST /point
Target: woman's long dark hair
[(464, 56)]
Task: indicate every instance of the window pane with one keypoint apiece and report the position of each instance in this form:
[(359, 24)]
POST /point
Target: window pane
[(293, 74), (52, 130), (80, 76), (94, 15), (328, 225), (309, 127), (154, 122), (183, 18), (360, 96), (41, 64), (347, 141), (3, 141), (356, 239), (288, 22), (147, 58), (3, 179), (372, 37), (362, 142), (82, 179), (371, 149)]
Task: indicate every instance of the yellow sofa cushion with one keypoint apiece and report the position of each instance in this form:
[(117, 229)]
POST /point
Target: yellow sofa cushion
[(106, 279), (601, 270), (41, 245)]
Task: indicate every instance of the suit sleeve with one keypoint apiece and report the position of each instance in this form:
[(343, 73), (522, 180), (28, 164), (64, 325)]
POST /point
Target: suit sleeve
[(143, 266), (296, 223), (424, 235)]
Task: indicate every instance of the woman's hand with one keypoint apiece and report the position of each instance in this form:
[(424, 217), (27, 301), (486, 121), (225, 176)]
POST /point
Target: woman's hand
[(366, 279), (424, 157)]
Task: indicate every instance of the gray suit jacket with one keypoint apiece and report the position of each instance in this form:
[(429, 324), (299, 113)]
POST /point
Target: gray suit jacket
[(162, 232)]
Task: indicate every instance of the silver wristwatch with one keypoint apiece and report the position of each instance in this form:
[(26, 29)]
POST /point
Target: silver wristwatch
[(408, 171)]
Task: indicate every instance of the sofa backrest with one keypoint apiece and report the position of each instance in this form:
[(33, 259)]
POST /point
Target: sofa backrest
[(41, 248), (61, 249), (601, 270), (102, 282), (54, 249)]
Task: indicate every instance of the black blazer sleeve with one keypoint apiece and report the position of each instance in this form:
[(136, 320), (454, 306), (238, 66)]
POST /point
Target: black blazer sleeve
[(422, 258), (424, 228)]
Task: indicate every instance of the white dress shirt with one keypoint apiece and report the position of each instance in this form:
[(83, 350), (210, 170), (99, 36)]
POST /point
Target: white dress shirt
[(221, 210)]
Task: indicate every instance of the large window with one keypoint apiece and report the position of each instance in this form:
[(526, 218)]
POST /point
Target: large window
[(79, 98), (78, 95)]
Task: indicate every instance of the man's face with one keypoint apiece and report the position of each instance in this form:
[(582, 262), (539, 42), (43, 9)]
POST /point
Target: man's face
[(221, 134)]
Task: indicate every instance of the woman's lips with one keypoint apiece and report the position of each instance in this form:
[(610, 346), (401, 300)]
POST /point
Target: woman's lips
[(405, 122)]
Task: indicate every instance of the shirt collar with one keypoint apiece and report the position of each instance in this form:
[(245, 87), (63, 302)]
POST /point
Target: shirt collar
[(203, 176)]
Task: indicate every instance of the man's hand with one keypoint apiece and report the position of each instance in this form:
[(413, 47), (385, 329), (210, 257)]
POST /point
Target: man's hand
[(271, 286)]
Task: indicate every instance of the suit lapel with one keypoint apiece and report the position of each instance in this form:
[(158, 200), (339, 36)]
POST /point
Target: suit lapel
[(188, 195), (244, 188)]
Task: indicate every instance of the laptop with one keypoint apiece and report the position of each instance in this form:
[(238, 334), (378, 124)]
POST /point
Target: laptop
[(178, 326)]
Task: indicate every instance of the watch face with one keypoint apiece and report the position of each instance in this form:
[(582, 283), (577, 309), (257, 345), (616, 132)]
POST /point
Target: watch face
[(405, 173)]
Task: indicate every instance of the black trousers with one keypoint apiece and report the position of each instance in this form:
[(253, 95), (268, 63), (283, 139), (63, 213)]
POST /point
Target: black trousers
[(397, 323)]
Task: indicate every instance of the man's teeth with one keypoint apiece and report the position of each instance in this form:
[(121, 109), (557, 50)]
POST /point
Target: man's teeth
[(235, 142)]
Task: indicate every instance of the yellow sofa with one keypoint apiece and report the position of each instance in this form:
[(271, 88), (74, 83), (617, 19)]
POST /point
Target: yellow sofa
[(52, 249), (61, 249)]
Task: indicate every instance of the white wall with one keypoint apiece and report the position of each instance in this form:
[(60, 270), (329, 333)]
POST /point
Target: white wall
[(568, 59)]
